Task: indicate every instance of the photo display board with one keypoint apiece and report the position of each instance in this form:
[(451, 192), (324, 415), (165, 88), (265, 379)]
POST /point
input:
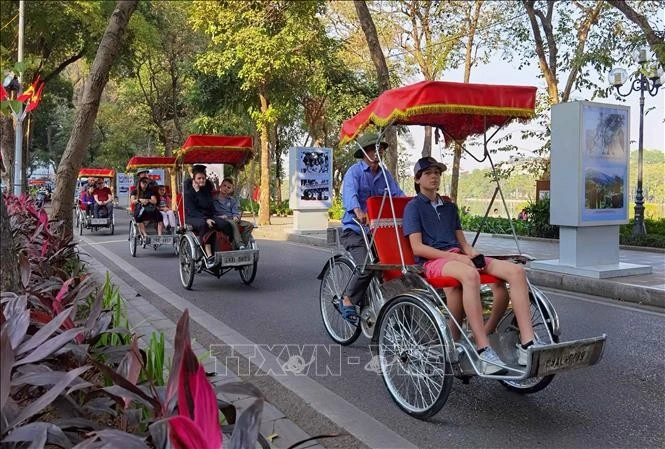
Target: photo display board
[(311, 178), (604, 163)]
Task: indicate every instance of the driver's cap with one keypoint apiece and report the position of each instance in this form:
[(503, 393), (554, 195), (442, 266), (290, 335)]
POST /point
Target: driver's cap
[(368, 140)]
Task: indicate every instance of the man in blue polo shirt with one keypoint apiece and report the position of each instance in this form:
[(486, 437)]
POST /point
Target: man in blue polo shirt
[(434, 231), (363, 179)]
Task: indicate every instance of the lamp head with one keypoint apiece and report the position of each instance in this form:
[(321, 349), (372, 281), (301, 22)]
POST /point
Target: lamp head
[(641, 55), (618, 77)]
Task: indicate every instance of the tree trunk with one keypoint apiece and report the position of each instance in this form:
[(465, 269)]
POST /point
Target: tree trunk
[(7, 150), (472, 22), (86, 113), (548, 68), (427, 142), (383, 75), (264, 199), (656, 43), (9, 274), (278, 167)]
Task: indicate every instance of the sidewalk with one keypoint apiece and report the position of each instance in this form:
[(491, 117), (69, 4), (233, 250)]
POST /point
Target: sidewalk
[(647, 290)]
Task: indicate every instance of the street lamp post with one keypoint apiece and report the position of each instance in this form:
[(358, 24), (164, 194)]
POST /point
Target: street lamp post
[(647, 79)]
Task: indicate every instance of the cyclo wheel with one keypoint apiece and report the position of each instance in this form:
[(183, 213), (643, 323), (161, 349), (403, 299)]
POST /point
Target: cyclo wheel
[(187, 263), (334, 280), (509, 334), (413, 359), (248, 272), (133, 239)]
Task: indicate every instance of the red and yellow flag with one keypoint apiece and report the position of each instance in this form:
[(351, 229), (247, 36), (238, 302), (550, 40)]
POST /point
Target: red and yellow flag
[(30, 91), (35, 99)]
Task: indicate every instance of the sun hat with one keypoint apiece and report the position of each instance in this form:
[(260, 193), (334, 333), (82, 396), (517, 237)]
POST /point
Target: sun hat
[(368, 140)]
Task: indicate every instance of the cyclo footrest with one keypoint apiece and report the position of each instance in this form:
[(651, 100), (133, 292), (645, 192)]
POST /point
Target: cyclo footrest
[(237, 258), (565, 356)]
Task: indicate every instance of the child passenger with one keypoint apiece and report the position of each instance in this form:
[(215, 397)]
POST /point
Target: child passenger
[(228, 208), (164, 207), (87, 199), (433, 228)]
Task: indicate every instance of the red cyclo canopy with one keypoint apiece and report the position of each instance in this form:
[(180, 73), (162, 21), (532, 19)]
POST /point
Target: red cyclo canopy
[(205, 149), (150, 162), (97, 172), (460, 109)]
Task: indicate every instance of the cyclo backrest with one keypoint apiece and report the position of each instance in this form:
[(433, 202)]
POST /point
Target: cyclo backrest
[(382, 227), (385, 242)]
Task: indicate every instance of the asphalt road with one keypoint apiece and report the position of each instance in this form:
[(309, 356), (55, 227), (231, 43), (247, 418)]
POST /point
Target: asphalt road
[(619, 403)]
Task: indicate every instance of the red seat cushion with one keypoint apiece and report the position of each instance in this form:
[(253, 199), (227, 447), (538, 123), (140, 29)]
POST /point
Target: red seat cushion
[(380, 213)]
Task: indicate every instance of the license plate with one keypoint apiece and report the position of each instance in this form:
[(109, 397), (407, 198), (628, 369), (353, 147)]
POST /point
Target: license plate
[(237, 258), (98, 221), (162, 240), (570, 355)]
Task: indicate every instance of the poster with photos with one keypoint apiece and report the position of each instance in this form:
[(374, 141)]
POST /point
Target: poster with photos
[(313, 180), (605, 156)]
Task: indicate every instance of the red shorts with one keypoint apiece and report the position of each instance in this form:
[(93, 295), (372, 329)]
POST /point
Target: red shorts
[(434, 267)]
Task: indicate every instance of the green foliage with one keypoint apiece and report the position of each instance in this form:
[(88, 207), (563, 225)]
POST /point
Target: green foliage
[(539, 220), (336, 211), (648, 240), (280, 208), (154, 360), (111, 300)]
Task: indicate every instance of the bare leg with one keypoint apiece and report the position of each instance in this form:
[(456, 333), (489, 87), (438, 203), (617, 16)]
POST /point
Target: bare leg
[(160, 228), (142, 229), (515, 276), (499, 306), (454, 303), (208, 249), (470, 280)]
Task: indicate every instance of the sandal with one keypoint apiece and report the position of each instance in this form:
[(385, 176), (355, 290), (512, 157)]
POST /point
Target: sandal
[(349, 313)]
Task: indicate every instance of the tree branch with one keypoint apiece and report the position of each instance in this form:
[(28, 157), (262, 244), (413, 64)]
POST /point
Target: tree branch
[(656, 42), (63, 65)]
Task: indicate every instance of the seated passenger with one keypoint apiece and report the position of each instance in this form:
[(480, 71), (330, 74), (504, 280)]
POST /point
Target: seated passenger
[(168, 217), (103, 199), (228, 208), (144, 200), (199, 208), (434, 231), (87, 200)]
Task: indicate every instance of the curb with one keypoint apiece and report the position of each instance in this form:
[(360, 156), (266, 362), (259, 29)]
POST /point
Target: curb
[(144, 319), (650, 249), (604, 288)]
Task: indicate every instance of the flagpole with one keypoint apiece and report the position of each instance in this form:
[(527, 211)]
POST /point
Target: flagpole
[(18, 149)]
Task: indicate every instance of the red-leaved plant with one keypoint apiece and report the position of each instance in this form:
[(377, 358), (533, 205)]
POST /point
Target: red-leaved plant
[(197, 424)]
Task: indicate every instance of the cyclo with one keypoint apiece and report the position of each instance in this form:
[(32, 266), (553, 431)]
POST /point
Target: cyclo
[(84, 216), (404, 313), (207, 149), (170, 238)]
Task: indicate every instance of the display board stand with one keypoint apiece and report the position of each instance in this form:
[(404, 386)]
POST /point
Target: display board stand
[(589, 189), (310, 188)]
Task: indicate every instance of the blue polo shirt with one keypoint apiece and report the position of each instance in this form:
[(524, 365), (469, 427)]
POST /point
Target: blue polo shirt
[(359, 184), (436, 223)]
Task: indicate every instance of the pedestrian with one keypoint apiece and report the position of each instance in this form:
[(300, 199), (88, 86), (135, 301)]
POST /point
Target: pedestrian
[(363, 179), (433, 228)]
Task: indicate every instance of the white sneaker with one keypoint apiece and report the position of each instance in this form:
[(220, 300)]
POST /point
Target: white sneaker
[(490, 362), (522, 354)]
